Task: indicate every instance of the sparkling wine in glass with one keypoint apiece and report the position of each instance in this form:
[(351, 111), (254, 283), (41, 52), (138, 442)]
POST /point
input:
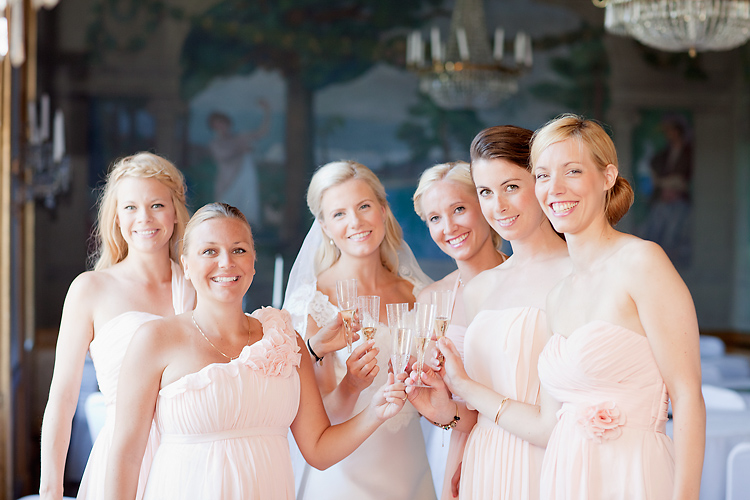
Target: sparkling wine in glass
[(346, 293), (369, 314), (443, 302), (424, 318), (401, 324)]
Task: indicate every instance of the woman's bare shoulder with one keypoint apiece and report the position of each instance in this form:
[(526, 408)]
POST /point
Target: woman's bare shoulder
[(445, 283)]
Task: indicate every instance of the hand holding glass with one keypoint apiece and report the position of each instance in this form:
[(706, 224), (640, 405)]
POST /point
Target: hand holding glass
[(424, 320), (401, 323), (369, 314), (443, 302), (346, 293)]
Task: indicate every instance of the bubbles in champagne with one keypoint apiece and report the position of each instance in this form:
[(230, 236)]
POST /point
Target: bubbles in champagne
[(441, 325), (369, 332)]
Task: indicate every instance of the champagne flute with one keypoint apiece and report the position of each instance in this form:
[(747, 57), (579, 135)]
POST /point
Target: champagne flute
[(346, 293), (401, 323), (424, 320), (443, 302), (369, 314)]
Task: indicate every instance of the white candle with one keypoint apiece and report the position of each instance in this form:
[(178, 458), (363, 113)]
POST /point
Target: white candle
[(529, 56), (463, 44), (16, 46), (3, 36), (499, 44), (419, 44), (409, 49), (44, 124), (278, 277), (58, 143), (520, 47), (435, 45), (33, 131)]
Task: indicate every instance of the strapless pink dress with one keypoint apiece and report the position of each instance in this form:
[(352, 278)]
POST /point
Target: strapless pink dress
[(609, 441)]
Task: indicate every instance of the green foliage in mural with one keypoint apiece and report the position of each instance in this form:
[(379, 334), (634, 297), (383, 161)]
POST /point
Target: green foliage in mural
[(433, 127), (581, 82)]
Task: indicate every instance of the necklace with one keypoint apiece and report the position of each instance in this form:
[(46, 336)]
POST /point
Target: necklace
[(192, 316)]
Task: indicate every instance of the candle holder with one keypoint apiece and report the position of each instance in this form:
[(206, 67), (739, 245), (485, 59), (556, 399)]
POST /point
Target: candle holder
[(49, 177)]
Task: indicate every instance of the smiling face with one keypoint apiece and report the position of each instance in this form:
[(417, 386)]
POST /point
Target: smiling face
[(219, 258), (353, 218), (506, 195), (455, 219), (570, 187), (145, 213)]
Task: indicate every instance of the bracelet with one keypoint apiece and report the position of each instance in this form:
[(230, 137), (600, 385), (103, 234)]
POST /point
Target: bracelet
[(318, 359), (451, 424), (497, 415)]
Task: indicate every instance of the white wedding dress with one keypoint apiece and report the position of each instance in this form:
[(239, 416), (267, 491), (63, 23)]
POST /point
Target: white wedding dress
[(392, 463)]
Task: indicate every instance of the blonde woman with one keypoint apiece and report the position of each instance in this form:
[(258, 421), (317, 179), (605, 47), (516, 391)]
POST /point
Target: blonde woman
[(137, 278), (446, 200), (355, 235), (625, 336), (225, 387)]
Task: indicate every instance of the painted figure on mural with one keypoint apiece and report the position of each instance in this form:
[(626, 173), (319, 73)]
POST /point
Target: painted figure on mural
[(237, 180)]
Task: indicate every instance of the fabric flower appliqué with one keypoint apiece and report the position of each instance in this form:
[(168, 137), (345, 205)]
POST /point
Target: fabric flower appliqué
[(601, 422), (278, 352)]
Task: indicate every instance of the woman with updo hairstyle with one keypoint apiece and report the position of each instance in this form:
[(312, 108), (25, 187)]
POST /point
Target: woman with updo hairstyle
[(136, 278), (497, 397), (446, 200), (224, 388), (625, 336), (355, 235)]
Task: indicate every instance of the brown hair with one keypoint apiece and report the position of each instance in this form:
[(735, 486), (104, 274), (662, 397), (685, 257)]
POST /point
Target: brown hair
[(504, 142)]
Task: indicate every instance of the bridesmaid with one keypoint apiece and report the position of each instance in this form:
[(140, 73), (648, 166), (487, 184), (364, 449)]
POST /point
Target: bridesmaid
[(446, 200), (626, 336), (355, 235), (225, 387), (506, 334), (136, 279)]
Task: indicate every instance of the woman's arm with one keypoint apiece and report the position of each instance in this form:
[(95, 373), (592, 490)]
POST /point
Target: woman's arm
[(323, 444), (361, 367), (667, 314), (76, 333), (137, 391), (532, 423)]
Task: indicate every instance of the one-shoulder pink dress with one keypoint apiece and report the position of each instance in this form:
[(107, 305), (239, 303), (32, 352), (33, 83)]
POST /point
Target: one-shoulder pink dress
[(609, 442), (223, 429)]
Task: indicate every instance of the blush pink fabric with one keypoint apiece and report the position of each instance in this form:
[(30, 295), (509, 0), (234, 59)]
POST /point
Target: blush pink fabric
[(502, 349), (609, 442), (224, 428)]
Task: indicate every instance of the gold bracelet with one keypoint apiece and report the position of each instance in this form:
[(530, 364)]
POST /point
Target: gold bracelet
[(497, 415), (451, 424)]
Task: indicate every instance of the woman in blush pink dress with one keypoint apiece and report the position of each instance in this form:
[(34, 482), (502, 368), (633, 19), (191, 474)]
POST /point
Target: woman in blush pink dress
[(447, 201), (625, 337), (498, 379), (137, 278), (225, 387)]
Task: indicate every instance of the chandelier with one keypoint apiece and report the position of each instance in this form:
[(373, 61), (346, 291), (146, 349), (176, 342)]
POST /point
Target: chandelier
[(680, 25), (467, 72)]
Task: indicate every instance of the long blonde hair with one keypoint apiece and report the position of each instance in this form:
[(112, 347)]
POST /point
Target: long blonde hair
[(456, 171), (335, 173), (111, 246)]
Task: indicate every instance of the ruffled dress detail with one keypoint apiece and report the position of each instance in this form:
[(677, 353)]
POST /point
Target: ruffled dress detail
[(108, 352), (609, 442), (224, 428), (502, 348)]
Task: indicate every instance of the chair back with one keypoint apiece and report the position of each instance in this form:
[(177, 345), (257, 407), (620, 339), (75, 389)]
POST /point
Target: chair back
[(96, 413), (738, 465)]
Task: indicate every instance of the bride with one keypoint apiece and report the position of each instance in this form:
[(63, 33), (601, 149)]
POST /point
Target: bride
[(355, 235)]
